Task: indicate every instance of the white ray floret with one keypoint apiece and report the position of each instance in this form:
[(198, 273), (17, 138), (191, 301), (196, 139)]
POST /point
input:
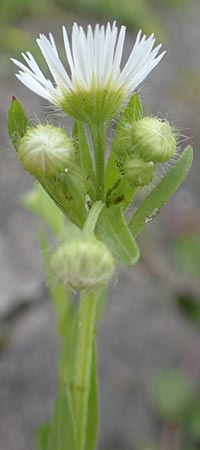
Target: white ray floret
[(94, 60)]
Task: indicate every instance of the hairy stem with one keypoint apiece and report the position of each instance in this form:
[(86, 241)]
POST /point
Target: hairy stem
[(81, 382)]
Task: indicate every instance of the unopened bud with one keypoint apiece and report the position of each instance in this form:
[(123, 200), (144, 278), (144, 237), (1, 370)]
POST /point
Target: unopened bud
[(153, 140), (45, 150), (139, 172), (83, 264)]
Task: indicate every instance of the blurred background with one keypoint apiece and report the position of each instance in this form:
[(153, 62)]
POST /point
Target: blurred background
[(149, 340)]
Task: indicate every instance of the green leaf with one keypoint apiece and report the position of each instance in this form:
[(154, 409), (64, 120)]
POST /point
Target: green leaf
[(68, 191), (162, 192), (17, 122), (76, 185), (42, 437), (120, 194), (83, 150), (93, 413), (114, 232), (132, 112), (62, 434), (112, 173)]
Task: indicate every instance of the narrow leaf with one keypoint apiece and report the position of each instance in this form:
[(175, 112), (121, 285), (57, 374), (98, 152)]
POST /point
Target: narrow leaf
[(162, 192), (42, 437), (62, 434), (17, 122), (68, 192), (83, 149), (114, 232), (76, 186), (121, 194), (93, 413), (112, 175)]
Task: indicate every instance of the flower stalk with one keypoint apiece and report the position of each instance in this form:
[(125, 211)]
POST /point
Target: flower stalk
[(98, 133), (81, 382), (96, 91)]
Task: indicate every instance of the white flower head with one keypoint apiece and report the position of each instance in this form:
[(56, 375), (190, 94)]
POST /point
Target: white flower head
[(97, 87)]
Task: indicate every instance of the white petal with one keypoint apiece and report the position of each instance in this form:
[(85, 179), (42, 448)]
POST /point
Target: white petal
[(141, 61), (139, 76), (33, 85), (119, 49), (68, 49), (35, 76), (55, 66), (111, 36), (77, 76)]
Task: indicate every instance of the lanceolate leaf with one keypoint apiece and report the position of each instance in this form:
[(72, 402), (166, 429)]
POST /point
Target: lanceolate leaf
[(42, 437), (121, 194), (112, 173), (162, 192), (62, 434), (93, 413), (113, 230), (83, 150), (17, 122), (68, 192)]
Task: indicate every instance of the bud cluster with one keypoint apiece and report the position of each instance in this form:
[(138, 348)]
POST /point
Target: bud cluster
[(148, 142)]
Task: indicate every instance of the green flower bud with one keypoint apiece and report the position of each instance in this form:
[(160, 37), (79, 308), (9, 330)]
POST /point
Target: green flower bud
[(139, 172), (83, 264), (153, 140), (45, 150)]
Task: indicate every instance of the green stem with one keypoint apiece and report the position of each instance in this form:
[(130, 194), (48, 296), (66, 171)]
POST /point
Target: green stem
[(99, 142), (81, 382), (91, 220)]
